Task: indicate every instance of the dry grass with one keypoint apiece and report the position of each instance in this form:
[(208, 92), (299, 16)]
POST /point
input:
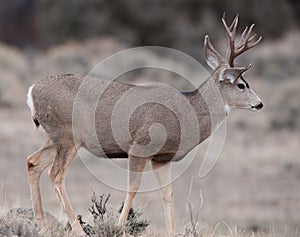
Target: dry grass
[(19, 222)]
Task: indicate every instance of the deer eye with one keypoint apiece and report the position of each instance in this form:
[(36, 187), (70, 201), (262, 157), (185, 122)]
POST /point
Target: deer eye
[(241, 86)]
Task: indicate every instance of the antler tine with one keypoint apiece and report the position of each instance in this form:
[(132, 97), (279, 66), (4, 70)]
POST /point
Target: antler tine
[(252, 37), (255, 42), (231, 30), (249, 32), (246, 41), (244, 34)]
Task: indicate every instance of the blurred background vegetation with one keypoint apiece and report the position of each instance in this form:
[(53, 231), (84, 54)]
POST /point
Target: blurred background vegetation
[(179, 24)]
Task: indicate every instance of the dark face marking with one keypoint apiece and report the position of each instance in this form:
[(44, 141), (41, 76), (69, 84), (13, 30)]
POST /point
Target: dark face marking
[(247, 85)]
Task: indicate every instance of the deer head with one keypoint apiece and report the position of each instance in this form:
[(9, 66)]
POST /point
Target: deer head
[(235, 91)]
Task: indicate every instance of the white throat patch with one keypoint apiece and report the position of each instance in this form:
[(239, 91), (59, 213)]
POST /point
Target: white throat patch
[(227, 108)]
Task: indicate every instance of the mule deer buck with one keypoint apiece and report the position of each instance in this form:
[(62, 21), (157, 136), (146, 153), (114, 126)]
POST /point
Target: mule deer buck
[(51, 101)]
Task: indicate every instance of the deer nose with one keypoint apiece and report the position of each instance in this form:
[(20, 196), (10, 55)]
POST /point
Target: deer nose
[(259, 106)]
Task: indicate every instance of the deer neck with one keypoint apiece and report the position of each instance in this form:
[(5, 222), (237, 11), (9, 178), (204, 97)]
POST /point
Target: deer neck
[(209, 107)]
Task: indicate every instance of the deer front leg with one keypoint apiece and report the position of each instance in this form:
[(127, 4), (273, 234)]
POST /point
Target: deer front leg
[(162, 171), (136, 166), (36, 164), (58, 174)]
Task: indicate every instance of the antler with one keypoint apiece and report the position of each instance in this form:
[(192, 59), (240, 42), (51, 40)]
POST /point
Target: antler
[(246, 41)]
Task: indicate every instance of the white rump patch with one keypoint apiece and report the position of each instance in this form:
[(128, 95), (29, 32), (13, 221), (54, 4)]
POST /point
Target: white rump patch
[(29, 100)]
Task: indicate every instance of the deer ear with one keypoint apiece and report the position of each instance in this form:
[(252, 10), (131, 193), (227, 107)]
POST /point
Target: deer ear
[(212, 57), (233, 73)]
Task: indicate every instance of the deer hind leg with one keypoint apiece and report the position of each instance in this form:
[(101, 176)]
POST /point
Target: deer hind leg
[(36, 164), (136, 166), (57, 173), (162, 171)]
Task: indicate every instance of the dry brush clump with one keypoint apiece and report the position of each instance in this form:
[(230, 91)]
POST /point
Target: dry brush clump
[(106, 217)]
